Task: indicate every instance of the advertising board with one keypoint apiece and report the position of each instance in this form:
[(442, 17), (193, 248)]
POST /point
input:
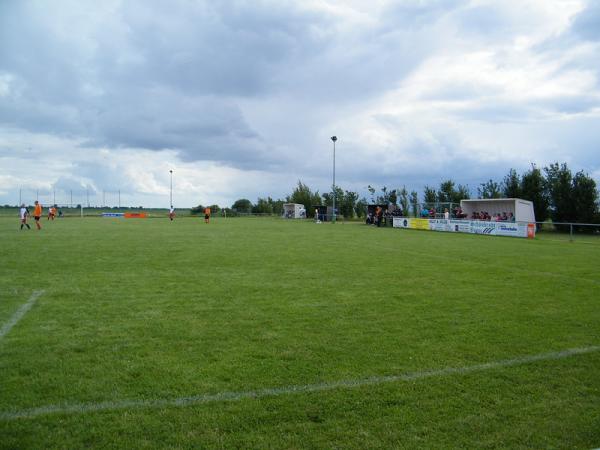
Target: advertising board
[(512, 229)]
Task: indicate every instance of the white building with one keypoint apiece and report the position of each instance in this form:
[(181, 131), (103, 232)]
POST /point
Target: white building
[(294, 211)]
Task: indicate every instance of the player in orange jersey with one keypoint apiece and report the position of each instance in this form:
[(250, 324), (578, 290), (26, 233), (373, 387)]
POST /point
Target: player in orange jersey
[(51, 212), (37, 214), (206, 214)]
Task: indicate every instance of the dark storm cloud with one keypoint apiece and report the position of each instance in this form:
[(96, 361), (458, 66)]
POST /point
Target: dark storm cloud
[(159, 76), (153, 76)]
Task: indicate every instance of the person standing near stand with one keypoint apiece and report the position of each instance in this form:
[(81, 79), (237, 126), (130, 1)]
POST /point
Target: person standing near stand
[(378, 214)]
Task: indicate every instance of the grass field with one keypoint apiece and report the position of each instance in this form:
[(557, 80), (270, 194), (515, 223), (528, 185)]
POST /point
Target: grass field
[(264, 333)]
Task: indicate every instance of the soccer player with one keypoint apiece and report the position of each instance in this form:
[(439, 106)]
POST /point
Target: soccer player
[(24, 213), (37, 214), (51, 212), (206, 214), (171, 213)]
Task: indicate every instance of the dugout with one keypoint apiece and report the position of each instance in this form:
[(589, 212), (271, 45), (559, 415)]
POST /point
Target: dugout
[(371, 213), (294, 211), (371, 208), (522, 210)]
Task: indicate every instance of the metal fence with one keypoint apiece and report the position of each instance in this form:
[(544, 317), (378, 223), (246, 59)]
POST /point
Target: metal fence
[(588, 232)]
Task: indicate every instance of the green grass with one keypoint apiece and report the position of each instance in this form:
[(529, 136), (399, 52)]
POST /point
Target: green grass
[(152, 309)]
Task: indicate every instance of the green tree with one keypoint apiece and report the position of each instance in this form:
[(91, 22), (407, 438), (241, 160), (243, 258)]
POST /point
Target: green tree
[(387, 197), (511, 185), (585, 195), (371, 190), (462, 193), (559, 186), (490, 189), (304, 196), (393, 197), (446, 192), (572, 198), (348, 204), (328, 197), (197, 210), (345, 202), (277, 206), (361, 207), (533, 189), (243, 205), (383, 198), (414, 202), (404, 201), (429, 195), (263, 206)]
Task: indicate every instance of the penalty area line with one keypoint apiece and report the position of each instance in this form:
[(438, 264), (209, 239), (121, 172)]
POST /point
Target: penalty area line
[(18, 315), (82, 408)]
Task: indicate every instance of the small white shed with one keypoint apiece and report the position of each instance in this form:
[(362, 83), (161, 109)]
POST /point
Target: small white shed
[(294, 211), (522, 210)]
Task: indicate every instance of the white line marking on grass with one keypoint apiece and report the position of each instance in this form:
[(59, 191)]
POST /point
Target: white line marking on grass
[(20, 313), (82, 408)]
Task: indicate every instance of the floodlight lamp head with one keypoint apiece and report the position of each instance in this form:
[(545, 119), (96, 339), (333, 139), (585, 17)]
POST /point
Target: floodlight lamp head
[(334, 138)]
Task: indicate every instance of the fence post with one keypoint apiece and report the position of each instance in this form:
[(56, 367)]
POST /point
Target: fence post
[(571, 231)]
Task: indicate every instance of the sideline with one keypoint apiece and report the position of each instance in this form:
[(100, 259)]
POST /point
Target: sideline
[(18, 315), (82, 408)]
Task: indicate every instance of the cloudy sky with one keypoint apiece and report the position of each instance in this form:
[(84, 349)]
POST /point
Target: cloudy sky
[(240, 98)]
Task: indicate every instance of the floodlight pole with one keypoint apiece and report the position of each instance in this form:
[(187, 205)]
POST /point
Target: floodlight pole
[(334, 139), (171, 191)]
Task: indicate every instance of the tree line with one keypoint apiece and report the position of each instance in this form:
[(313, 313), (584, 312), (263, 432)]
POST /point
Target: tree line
[(555, 191)]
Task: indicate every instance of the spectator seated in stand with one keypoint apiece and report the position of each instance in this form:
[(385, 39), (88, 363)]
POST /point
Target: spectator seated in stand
[(511, 218), (459, 214)]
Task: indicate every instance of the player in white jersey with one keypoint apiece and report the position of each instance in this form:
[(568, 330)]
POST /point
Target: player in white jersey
[(24, 212), (171, 213)]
